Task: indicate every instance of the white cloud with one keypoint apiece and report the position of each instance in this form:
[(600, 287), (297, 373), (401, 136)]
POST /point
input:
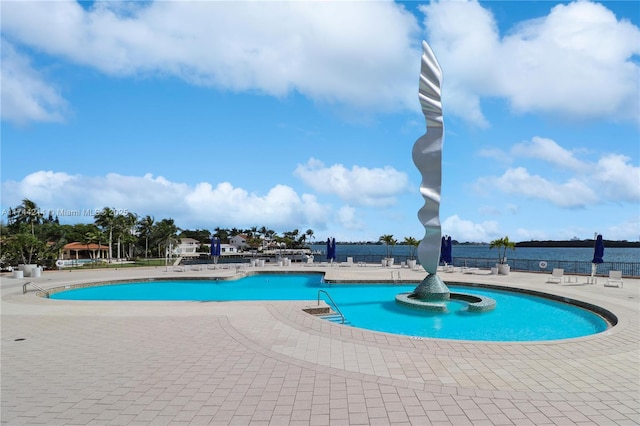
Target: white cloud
[(25, 94), (346, 217), (359, 186), (616, 178), (358, 54), (549, 151), (199, 205), (518, 181), (465, 230), (578, 61), (627, 230), (612, 178)]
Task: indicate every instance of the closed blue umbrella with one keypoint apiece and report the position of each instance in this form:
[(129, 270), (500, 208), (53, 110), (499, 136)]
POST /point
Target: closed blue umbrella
[(215, 248), (598, 254), (598, 251), (329, 249), (333, 249), (445, 251)]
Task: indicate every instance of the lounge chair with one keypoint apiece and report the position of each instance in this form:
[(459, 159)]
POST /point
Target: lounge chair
[(349, 262), (556, 276), (614, 280)]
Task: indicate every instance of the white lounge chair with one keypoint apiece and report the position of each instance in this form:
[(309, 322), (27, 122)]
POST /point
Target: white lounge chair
[(556, 276), (615, 279), (349, 262)]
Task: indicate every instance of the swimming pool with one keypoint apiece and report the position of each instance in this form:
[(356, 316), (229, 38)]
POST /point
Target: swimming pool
[(518, 316)]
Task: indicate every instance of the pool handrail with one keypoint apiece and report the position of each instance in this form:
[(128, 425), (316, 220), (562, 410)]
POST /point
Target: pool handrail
[(24, 288), (332, 302)]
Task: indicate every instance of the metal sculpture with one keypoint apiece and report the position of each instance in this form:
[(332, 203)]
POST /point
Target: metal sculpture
[(427, 156), (432, 293)]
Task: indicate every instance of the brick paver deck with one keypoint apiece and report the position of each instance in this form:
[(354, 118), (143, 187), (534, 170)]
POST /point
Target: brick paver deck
[(269, 363)]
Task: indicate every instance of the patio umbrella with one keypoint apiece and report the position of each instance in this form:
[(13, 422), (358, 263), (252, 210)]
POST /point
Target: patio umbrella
[(333, 249), (445, 250), (598, 254), (215, 248), (329, 249)]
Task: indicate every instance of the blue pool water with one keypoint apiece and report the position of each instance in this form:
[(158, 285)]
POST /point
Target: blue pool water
[(517, 317)]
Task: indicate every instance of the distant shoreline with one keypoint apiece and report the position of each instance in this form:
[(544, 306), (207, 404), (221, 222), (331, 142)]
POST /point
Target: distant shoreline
[(548, 243), (580, 243)]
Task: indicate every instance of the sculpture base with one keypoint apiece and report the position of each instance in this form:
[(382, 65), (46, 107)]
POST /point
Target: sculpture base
[(432, 288), (432, 294)]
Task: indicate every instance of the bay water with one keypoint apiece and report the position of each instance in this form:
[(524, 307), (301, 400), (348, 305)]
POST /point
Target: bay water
[(572, 259)]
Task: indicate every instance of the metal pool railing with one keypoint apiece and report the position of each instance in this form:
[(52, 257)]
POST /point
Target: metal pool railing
[(332, 302), (629, 269), (24, 288)]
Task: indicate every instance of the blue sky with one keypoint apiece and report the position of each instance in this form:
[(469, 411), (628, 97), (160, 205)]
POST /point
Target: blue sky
[(303, 115)]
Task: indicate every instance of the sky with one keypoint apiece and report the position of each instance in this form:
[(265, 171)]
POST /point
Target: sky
[(303, 115)]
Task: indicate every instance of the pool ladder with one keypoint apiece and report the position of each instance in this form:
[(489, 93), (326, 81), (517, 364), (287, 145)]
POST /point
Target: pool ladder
[(24, 288), (334, 306)]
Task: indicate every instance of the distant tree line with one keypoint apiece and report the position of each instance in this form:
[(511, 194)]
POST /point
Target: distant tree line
[(29, 236), (578, 243)]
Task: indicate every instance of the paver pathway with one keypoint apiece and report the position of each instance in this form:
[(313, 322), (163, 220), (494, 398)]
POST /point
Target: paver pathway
[(261, 363)]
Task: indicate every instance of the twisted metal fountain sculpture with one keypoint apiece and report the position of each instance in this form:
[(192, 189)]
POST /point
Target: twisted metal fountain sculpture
[(431, 293)]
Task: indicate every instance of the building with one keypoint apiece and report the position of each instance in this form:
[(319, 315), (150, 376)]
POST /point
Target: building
[(239, 241), (188, 247), (77, 251)]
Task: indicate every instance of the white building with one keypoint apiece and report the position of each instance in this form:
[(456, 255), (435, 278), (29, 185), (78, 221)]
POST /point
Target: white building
[(238, 241), (227, 249), (188, 247)]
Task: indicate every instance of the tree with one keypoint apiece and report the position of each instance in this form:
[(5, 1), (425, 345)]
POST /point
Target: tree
[(29, 213), (22, 248), (145, 226), (223, 234), (128, 232), (22, 245), (309, 235), (504, 244), (389, 241), (106, 220), (166, 235), (413, 245), (200, 235), (95, 236)]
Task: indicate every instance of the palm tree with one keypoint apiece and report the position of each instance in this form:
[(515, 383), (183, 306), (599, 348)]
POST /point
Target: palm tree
[(106, 219), (28, 212), (92, 236), (129, 224), (95, 235), (505, 244), (413, 245), (389, 241), (87, 239), (309, 235), (145, 226), (166, 235), (223, 234), (252, 231)]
